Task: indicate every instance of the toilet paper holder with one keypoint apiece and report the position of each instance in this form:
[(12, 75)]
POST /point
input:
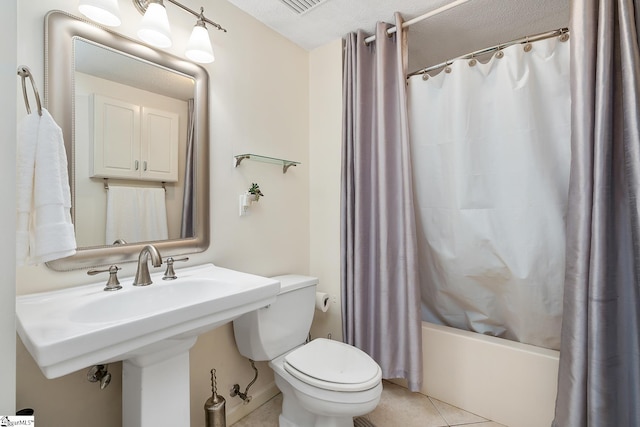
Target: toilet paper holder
[(323, 301)]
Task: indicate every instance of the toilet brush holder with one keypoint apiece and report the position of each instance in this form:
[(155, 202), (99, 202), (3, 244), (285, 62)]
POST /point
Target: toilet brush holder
[(214, 407)]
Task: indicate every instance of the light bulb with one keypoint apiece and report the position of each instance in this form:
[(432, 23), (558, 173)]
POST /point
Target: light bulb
[(105, 12), (154, 28), (199, 46)]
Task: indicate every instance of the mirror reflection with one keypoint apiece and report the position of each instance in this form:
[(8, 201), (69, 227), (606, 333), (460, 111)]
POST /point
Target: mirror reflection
[(131, 140)]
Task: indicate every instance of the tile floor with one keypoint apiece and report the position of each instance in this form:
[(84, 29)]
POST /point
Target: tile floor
[(398, 407)]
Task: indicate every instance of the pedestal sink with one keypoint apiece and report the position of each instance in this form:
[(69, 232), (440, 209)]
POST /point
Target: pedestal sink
[(150, 329)]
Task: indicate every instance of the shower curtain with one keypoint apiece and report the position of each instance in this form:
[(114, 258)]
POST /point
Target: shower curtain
[(599, 375), (380, 288), (490, 147), (186, 228)]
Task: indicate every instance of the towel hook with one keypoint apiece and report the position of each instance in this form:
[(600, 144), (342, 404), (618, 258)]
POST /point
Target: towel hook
[(24, 72)]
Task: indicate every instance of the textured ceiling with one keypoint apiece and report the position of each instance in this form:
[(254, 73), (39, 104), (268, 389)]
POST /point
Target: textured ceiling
[(470, 26)]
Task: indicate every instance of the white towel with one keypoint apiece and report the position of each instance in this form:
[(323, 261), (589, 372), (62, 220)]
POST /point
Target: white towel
[(136, 214), (44, 229)]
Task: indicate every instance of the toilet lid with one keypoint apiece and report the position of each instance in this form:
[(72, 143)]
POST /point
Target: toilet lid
[(333, 365)]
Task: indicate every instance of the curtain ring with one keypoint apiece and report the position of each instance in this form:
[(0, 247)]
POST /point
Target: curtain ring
[(564, 35), (527, 46), (447, 68), (499, 53), (425, 76), (472, 62)]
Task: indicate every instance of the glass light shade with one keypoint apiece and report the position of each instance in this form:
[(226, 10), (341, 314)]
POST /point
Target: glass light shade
[(154, 28), (199, 46), (105, 12)]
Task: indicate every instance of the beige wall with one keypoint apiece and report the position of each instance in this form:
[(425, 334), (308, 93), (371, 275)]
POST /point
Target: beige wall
[(325, 142), (259, 103), (8, 88)]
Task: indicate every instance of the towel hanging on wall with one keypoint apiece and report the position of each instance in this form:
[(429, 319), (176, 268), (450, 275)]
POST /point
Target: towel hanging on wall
[(136, 214), (44, 230)]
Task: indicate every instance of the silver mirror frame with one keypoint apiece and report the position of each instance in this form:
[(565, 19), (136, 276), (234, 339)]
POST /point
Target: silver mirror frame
[(61, 29)]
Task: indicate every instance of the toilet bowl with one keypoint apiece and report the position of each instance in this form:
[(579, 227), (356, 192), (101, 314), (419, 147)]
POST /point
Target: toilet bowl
[(323, 382), (330, 383)]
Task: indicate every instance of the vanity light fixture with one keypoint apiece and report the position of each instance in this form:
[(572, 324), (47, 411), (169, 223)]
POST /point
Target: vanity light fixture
[(199, 47), (154, 28), (105, 12)]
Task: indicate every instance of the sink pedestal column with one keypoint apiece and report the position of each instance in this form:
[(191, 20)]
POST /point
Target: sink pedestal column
[(155, 385)]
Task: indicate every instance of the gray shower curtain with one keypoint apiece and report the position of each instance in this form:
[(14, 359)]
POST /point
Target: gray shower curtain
[(380, 286), (186, 229), (599, 378)]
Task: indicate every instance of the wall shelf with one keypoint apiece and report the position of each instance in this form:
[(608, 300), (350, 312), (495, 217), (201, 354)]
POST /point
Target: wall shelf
[(286, 164)]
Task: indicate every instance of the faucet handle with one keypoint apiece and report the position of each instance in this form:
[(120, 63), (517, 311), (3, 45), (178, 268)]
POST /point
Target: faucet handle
[(170, 273), (113, 284)]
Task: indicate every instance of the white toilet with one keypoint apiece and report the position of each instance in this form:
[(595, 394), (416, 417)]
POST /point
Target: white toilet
[(324, 383)]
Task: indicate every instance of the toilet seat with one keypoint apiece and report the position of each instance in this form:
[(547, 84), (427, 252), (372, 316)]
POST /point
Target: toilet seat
[(332, 365)]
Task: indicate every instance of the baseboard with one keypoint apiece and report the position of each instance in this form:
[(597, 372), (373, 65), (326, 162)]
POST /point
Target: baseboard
[(237, 413)]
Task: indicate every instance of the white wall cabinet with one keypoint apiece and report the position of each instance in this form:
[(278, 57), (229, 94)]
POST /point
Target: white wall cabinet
[(133, 141)]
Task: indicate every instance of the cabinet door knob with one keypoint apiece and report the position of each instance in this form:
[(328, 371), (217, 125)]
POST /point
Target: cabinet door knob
[(145, 165), (136, 164)]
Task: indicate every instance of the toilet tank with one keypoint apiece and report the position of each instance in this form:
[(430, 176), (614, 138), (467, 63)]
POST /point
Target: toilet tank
[(268, 332)]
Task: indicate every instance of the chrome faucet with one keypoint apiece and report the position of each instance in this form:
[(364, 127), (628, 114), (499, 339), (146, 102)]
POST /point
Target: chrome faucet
[(142, 274)]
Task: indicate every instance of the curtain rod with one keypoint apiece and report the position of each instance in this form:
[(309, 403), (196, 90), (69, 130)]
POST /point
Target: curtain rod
[(419, 18), (562, 32)]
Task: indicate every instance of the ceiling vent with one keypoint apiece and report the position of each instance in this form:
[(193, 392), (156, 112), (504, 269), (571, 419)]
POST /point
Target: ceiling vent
[(302, 6)]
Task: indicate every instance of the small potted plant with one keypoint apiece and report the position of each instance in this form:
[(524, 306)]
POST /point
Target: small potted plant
[(254, 192)]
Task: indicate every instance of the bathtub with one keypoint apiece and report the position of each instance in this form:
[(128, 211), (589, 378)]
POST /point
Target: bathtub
[(505, 381)]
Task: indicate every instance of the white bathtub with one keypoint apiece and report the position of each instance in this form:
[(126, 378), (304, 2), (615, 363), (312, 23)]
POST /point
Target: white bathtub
[(505, 381)]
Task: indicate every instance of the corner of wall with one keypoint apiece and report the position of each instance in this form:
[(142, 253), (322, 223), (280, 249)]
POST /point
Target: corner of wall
[(8, 83), (325, 142)]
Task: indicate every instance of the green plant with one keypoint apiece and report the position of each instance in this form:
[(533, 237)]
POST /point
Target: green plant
[(255, 190)]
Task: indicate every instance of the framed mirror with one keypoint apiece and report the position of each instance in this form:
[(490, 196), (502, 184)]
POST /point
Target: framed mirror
[(135, 125)]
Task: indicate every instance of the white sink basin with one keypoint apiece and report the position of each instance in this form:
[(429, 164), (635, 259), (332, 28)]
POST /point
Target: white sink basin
[(142, 302), (78, 327)]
